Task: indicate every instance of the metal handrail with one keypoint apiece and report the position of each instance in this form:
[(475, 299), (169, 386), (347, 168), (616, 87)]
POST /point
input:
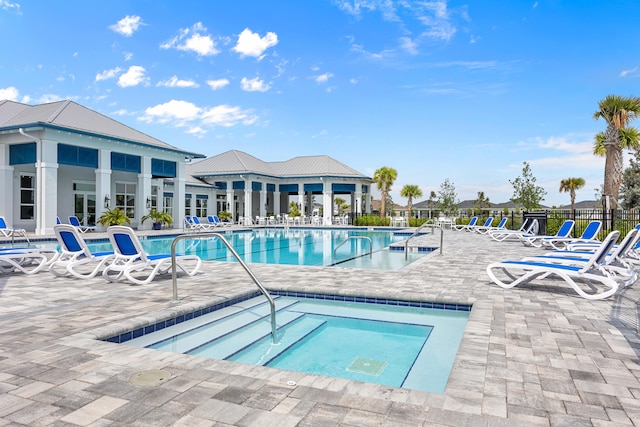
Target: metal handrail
[(415, 233), (356, 237), (174, 274)]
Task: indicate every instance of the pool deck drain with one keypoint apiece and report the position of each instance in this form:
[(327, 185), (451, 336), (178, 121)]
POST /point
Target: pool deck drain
[(533, 355), (152, 377)]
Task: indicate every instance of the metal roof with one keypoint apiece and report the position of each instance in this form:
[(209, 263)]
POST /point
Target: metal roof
[(73, 117), (236, 162)]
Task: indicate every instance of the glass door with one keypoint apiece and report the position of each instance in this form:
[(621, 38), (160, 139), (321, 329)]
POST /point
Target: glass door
[(84, 203)]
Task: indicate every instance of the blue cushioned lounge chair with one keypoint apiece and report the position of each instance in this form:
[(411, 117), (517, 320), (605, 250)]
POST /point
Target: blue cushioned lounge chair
[(74, 221), (131, 261), (75, 253), (591, 272), (590, 234), (563, 232)]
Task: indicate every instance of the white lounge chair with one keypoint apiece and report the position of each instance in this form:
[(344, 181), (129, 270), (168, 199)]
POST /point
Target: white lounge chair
[(563, 232), (528, 228), (592, 271), (7, 231), (130, 258), (75, 253), (466, 227), (590, 234), (484, 229), (213, 219), (74, 221), (27, 261), (201, 225)]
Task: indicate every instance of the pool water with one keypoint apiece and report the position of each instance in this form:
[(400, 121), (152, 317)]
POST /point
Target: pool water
[(311, 247), (400, 346)]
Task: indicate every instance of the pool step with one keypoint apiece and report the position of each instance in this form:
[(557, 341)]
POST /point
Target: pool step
[(263, 351), (211, 326), (225, 345)]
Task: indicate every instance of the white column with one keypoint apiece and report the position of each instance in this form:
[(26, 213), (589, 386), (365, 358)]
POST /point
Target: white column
[(276, 203), (47, 193), (263, 200), (231, 205), (327, 202), (179, 193), (248, 203), (301, 200), (144, 192), (367, 202), (356, 203), (103, 183)]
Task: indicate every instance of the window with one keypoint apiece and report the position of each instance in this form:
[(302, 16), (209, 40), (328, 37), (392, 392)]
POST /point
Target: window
[(201, 205), (168, 203), (126, 198), (27, 196), (187, 204), (154, 197), (221, 203)]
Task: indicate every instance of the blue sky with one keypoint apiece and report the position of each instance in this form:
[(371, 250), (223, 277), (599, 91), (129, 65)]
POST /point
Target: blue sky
[(435, 89)]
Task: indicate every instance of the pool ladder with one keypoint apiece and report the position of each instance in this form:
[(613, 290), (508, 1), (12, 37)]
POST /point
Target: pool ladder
[(174, 274), (428, 223)]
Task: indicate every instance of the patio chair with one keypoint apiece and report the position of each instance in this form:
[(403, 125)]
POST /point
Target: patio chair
[(75, 253), (563, 232), (25, 261), (484, 230), (590, 234), (74, 221), (528, 228), (7, 231), (213, 219), (466, 227), (130, 258), (592, 271)]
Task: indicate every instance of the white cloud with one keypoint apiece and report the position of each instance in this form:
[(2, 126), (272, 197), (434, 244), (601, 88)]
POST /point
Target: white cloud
[(49, 97), (127, 25), (251, 44), (108, 74), (254, 85), (632, 72), (7, 5), (197, 120), (408, 45), (323, 78), (10, 93), (176, 82), (217, 84), (128, 56), (227, 116), (194, 39), (134, 76)]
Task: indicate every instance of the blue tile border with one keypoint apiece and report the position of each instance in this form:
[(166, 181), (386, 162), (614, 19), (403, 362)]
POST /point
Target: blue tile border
[(144, 330)]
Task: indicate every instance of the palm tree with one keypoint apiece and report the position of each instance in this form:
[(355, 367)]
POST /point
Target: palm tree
[(384, 178), (617, 111), (410, 191), (570, 185), (339, 202)]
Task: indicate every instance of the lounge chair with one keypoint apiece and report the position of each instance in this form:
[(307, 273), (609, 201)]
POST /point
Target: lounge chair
[(528, 228), (213, 219), (74, 221), (484, 230), (130, 258), (563, 232), (75, 253), (466, 227), (6, 231), (27, 261), (592, 271), (201, 225), (590, 234), (618, 260)]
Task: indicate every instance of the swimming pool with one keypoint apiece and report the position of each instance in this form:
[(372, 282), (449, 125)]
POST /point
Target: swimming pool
[(395, 343), (311, 247)]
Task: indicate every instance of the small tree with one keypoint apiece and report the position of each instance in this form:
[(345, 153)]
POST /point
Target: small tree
[(481, 202), (410, 191), (630, 189), (447, 198), (570, 185), (339, 202), (525, 191)]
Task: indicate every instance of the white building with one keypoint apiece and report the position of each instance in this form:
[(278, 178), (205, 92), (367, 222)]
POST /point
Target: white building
[(61, 159)]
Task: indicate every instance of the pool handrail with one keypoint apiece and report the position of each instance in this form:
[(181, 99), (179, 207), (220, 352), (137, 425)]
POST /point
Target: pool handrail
[(356, 237), (174, 275), (428, 223)]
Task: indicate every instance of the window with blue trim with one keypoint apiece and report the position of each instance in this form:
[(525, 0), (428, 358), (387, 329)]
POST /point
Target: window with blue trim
[(125, 162), (163, 168), (22, 154), (77, 156)]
